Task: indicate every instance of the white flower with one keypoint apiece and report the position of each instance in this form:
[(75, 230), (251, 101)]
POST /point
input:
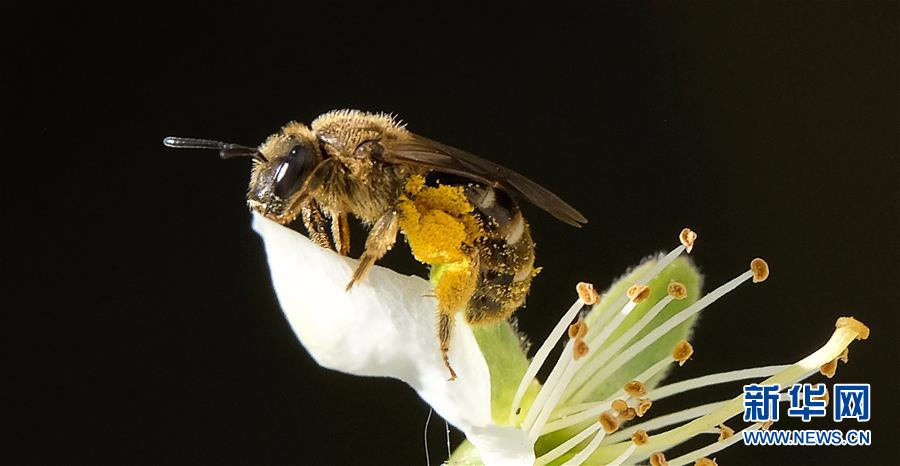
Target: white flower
[(385, 327), (605, 377)]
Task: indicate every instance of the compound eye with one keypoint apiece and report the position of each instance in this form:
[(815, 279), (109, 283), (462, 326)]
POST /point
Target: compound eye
[(292, 171)]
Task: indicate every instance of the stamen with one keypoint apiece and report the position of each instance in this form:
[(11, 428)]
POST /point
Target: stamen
[(844, 357), (567, 445), (659, 331), (638, 293), (760, 270), (620, 406), (624, 456), (609, 421), (683, 350), (645, 278), (636, 389), (666, 420), (547, 391), (573, 415), (862, 331), (725, 432), (640, 437), (594, 363), (542, 354), (705, 462), (583, 455), (643, 406), (587, 293), (628, 415), (687, 238), (703, 453), (846, 331), (578, 330), (580, 349), (658, 459), (677, 290), (713, 379), (829, 368)]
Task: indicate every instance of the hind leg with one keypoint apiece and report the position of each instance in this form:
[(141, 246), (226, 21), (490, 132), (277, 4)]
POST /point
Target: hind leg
[(444, 331)]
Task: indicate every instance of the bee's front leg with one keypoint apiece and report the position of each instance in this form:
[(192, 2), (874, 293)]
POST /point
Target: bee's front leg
[(381, 238), (340, 232), (315, 222)]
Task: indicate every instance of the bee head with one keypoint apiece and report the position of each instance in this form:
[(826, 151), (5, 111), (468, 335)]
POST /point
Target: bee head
[(281, 167), (277, 185)]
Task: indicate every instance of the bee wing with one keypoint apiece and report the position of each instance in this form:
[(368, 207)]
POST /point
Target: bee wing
[(424, 152)]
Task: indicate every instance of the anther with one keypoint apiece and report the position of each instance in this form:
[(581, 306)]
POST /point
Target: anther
[(829, 368), (640, 437), (578, 329), (658, 459), (609, 422), (687, 238), (638, 293), (628, 415), (766, 425), (676, 290), (683, 350), (844, 355), (620, 406), (580, 349), (635, 388), (705, 462), (643, 406), (587, 293), (860, 328), (725, 432), (760, 270)]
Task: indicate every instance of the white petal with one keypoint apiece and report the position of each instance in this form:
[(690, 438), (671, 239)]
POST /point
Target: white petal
[(385, 326)]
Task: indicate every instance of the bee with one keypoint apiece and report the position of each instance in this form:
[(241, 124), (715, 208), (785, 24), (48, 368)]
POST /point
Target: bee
[(458, 212)]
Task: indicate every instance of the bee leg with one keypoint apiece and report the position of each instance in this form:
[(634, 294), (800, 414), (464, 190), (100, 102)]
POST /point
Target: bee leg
[(315, 223), (381, 238), (340, 232), (444, 327)]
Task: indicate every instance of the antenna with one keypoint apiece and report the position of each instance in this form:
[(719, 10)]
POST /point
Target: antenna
[(226, 150)]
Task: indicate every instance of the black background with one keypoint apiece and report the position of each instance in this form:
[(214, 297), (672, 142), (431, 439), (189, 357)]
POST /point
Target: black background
[(140, 325)]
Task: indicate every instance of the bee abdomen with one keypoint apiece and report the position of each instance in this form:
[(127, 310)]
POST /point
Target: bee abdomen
[(505, 257)]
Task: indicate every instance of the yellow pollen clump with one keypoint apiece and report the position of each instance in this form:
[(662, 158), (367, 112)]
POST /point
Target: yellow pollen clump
[(578, 329), (640, 437), (438, 222), (677, 290), (725, 432), (687, 238), (580, 349), (635, 388), (441, 230), (683, 350), (658, 459), (638, 293), (609, 422), (587, 293), (862, 331), (760, 270), (705, 462), (620, 406)]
